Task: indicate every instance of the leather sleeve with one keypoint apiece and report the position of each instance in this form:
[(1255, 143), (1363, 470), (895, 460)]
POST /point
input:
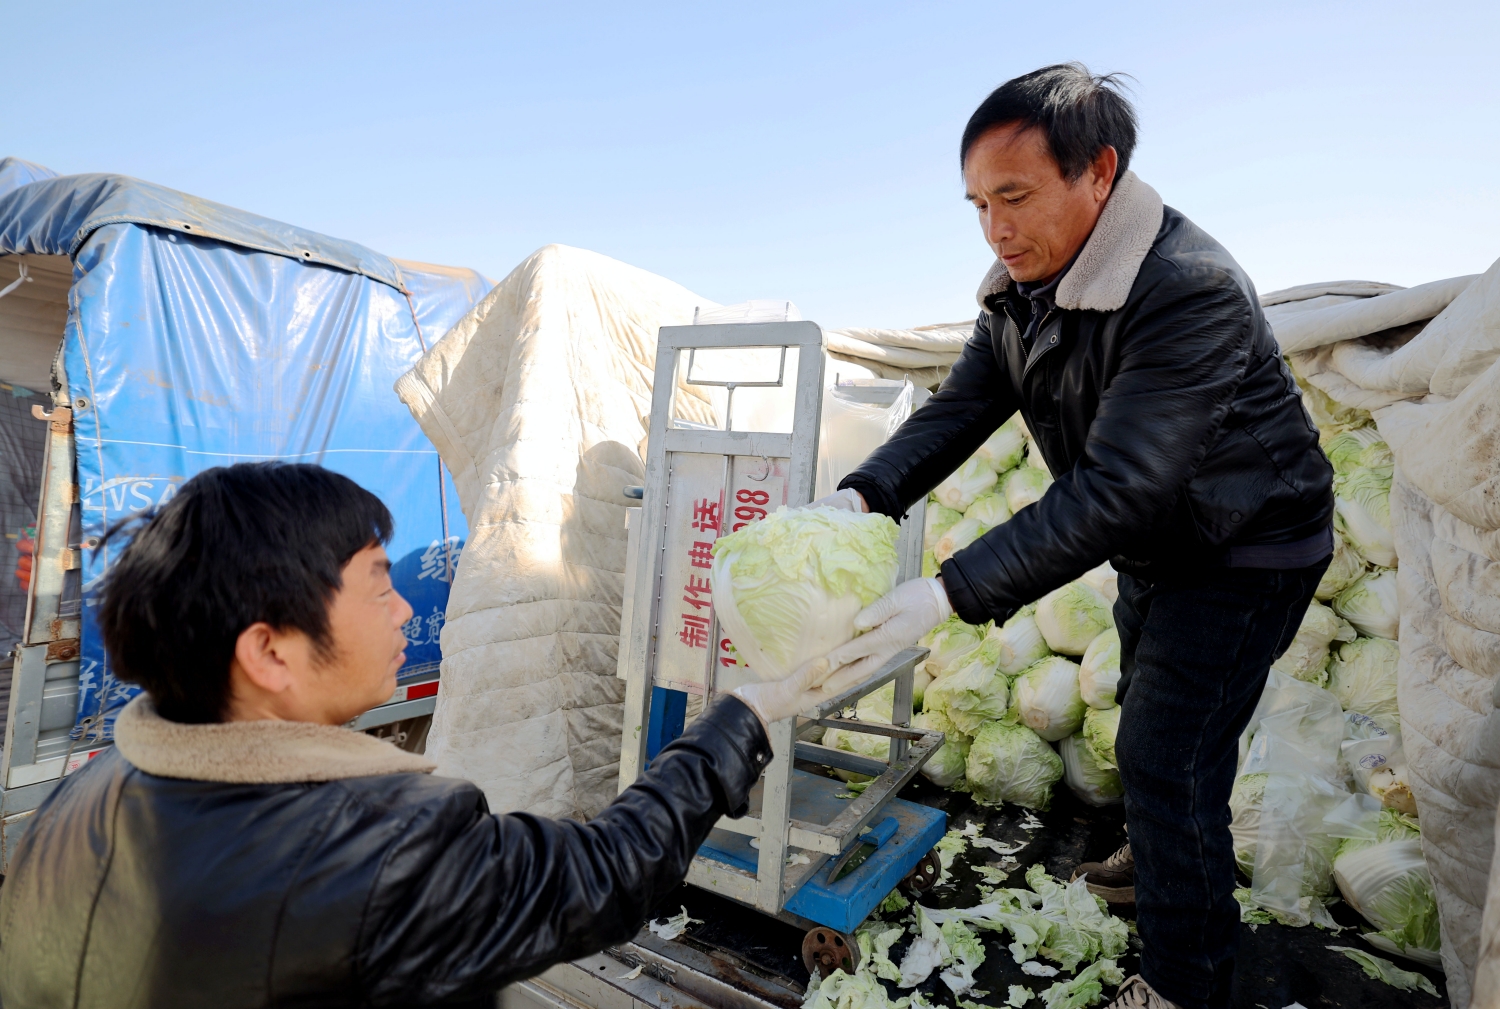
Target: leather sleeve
[(972, 402), (1187, 345), (468, 902)]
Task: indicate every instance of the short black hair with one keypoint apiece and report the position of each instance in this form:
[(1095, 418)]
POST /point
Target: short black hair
[(1081, 112), (238, 545)]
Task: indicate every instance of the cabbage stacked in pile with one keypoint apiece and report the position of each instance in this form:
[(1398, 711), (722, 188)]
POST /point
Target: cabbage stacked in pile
[(1026, 702), (1321, 804)]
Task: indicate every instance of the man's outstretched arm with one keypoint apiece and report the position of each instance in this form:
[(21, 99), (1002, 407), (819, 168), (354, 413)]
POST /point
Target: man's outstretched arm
[(465, 908)]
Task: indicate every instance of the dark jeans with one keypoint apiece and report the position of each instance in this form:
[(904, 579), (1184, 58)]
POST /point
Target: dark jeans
[(1195, 651)]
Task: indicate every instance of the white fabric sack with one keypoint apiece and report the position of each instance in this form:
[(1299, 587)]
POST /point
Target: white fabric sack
[(1434, 392)]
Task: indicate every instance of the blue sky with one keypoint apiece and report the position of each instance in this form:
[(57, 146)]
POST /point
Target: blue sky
[(800, 151)]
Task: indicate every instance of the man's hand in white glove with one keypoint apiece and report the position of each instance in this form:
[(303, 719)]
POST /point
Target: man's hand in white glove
[(848, 499), (893, 622), (780, 699)]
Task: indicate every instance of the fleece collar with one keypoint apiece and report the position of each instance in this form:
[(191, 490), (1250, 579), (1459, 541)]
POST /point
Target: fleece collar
[(1105, 270), (258, 753)]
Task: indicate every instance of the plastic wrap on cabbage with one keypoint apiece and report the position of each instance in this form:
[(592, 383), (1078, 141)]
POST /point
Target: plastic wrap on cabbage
[(1090, 780), (1099, 671), (1362, 676), (1100, 726), (1047, 698), (946, 767), (1010, 763), (959, 535), (949, 642), (1385, 879), (1005, 448), (1370, 604), (787, 588), (1024, 486), (1073, 616), (1343, 570), (1019, 642), (1306, 657), (1311, 861), (1377, 761), (939, 520), (971, 691), (964, 484), (990, 509), (1363, 499)]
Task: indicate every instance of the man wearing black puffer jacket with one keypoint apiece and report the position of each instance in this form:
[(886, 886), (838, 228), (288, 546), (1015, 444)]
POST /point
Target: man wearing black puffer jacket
[(1135, 350), (239, 847)]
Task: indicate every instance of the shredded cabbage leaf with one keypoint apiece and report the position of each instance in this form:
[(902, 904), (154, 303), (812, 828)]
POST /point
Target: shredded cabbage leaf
[(1381, 969)]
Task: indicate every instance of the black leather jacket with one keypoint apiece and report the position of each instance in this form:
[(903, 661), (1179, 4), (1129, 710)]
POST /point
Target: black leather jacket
[(1176, 432), (132, 890)]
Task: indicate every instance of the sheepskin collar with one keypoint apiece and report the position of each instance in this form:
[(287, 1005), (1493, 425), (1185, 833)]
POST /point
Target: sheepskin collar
[(1105, 270), (255, 753)]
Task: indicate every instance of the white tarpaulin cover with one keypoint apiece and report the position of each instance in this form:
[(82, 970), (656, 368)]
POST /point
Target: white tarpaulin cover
[(1433, 389), (539, 401)]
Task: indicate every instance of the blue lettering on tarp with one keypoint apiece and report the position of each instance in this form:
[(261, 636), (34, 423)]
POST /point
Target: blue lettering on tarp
[(234, 355)]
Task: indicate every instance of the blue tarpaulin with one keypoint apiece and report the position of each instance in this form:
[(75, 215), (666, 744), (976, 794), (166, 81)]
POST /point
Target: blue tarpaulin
[(199, 335)]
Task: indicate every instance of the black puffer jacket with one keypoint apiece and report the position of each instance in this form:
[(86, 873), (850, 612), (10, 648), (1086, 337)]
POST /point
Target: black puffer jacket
[(132, 889), (1158, 397)]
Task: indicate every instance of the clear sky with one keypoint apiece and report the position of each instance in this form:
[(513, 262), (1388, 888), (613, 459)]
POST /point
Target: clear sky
[(805, 151)]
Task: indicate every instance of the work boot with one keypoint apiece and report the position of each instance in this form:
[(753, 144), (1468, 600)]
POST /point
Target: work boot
[(1113, 879), (1135, 993)]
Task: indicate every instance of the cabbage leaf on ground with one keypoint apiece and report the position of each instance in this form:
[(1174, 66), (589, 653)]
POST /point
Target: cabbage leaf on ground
[(1381, 969), (1060, 921)]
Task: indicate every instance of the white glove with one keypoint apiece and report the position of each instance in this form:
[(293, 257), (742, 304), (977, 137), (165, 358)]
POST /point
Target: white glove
[(848, 499), (780, 699), (893, 622)]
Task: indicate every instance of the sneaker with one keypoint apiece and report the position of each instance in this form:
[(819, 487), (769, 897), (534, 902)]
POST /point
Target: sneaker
[(1113, 879), (1135, 993)]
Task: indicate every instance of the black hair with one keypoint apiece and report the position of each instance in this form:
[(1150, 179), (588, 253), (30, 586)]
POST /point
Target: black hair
[(1082, 113), (238, 545)]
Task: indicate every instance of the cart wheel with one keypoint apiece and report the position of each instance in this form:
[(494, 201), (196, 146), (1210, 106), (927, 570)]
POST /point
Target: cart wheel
[(828, 950), (924, 875)]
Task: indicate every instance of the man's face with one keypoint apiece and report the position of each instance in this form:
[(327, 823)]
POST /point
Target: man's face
[(280, 674), (368, 645), (1033, 218)]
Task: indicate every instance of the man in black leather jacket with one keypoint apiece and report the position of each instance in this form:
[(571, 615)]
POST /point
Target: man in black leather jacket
[(239, 848), (1135, 350)]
